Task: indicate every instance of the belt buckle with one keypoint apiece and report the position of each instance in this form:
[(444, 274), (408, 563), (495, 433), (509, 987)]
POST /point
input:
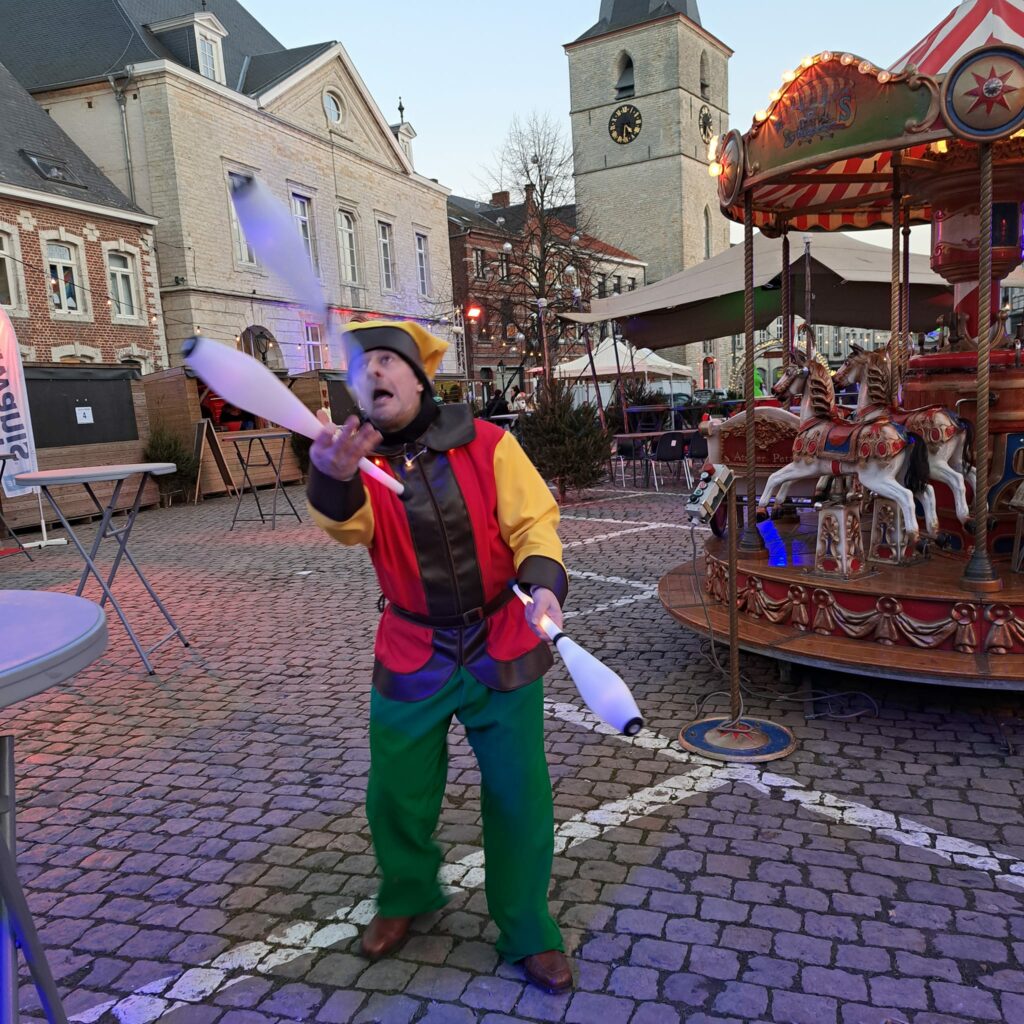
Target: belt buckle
[(472, 617)]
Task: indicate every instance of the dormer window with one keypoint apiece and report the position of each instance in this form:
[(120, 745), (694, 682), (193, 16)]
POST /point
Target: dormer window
[(208, 57), (195, 41)]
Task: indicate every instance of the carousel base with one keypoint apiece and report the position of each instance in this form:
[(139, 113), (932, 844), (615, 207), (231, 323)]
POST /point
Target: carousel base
[(919, 623)]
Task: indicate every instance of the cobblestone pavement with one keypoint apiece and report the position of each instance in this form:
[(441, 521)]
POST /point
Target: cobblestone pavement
[(195, 850)]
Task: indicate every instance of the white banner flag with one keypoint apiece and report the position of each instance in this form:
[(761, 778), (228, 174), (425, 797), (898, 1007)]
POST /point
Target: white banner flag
[(15, 419)]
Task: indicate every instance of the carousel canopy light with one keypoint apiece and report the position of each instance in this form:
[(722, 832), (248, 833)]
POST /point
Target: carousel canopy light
[(714, 169), (865, 67), (847, 58), (806, 62), (788, 76), (761, 115), (884, 76)]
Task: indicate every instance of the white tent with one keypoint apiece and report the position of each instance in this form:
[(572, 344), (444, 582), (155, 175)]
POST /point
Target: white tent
[(630, 360)]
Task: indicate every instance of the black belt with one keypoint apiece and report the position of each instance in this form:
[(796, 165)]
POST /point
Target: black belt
[(470, 618)]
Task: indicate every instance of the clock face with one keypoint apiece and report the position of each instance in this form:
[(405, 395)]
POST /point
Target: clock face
[(625, 123), (706, 123)]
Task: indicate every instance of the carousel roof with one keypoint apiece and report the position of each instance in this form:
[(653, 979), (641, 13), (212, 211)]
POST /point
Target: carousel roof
[(820, 156), (974, 23)]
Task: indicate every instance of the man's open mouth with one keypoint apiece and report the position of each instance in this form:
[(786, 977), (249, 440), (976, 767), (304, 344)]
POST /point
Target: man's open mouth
[(381, 393)]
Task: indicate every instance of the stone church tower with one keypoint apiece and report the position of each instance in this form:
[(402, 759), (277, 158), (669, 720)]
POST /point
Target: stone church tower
[(649, 88)]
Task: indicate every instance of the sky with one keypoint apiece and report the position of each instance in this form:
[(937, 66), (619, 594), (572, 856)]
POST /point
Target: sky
[(465, 69)]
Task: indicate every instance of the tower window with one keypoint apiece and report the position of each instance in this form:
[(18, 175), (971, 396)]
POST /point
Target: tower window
[(625, 87), (705, 78)]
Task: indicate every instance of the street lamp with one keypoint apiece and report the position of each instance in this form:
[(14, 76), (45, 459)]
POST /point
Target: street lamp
[(501, 375)]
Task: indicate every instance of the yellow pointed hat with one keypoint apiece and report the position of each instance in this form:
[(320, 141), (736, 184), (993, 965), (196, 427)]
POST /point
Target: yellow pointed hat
[(410, 340)]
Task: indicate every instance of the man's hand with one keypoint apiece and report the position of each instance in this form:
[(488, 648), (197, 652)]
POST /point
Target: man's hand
[(544, 603), (337, 451)]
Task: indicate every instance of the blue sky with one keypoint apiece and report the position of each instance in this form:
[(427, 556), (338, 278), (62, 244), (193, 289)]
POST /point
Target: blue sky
[(465, 69)]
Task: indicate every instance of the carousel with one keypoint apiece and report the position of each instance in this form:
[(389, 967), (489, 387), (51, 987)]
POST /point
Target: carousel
[(908, 565)]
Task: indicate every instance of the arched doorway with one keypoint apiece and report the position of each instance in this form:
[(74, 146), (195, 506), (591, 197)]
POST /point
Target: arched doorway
[(259, 342)]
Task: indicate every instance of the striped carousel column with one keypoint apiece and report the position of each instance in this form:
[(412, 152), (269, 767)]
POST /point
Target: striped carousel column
[(980, 572), (751, 543)]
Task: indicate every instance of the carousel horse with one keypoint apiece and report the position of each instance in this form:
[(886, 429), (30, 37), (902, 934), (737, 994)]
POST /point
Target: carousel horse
[(946, 436), (880, 453)]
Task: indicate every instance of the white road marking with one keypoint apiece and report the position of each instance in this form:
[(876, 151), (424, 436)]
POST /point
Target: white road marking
[(624, 522), (608, 536), (300, 938)]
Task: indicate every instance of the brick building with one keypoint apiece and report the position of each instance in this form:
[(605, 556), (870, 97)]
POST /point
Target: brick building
[(499, 252), (176, 99), (78, 273)]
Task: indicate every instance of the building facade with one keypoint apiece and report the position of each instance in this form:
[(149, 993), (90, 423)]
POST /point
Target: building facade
[(499, 254), (649, 90), (192, 103), (78, 270)]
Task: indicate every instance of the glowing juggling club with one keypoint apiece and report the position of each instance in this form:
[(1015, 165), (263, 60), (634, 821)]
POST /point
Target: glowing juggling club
[(270, 229), (247, 383), (602, 690)]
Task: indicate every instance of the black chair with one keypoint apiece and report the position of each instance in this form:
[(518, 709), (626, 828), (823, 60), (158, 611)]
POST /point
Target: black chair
[(672, 448), (697, 454), (627, 450)]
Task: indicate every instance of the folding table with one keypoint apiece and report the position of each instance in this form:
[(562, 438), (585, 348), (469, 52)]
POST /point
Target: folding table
[(87, 476), (274, 461), (47, 638)]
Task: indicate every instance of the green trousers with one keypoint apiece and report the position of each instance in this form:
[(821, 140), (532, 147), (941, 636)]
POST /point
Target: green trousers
[(408, 772)]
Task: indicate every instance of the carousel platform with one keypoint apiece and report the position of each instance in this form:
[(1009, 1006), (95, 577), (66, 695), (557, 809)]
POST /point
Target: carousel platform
[(917, 622)]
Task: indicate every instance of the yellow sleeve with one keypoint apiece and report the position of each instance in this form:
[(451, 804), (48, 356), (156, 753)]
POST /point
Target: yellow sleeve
[(342, 509), (528, 518)]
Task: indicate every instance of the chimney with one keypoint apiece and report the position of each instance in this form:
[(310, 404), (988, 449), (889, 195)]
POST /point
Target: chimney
[(528, 189), (502, 199)]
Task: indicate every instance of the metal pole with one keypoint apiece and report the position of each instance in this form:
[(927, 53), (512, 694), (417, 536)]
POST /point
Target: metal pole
[(787, 302), (752, 541), (734, 617), (8, 949), (980, 572), (597, 381), (905, 326), (808, 300), (894, 294)]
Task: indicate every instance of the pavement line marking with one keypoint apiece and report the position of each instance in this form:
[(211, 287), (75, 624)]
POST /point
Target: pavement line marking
[(296, 939), (609, 536), (583, 574), (896, 828), (623, 522), (649, 590)]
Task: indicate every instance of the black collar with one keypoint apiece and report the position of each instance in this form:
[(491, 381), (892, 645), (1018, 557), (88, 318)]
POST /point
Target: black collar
[(451, 426)]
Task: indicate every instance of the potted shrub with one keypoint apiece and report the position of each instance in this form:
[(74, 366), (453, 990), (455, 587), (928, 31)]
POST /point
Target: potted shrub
[(164, 446)]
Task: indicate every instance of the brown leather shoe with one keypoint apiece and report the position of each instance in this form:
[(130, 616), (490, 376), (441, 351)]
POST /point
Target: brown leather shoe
[(382, 935), (549, 970)]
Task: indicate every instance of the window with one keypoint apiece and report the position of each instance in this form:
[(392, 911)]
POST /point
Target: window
[(52, 169), (705, 78), (208, 58), (244, 252), (385, 240), (503, 266), (479, 263), (632, 284), (347, 237), (709, 348), (626, 85), (62, 266), (302, 212), (837, 347), (617, 284), (602, 286), (707, 233), (332, 108), (422, 264), (314, 348), (8, 296), (121, 272)]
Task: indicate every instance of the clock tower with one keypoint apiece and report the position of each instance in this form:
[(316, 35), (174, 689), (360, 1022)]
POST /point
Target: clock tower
[(649, 89)]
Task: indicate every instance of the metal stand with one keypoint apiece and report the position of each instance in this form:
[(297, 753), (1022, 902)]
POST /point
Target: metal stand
[(46, 542), (120, 536), (275, 465), (736, 737), (15, 921)]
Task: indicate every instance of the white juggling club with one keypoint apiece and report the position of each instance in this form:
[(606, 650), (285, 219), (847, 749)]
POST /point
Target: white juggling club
[(602, 690), (247, 383)]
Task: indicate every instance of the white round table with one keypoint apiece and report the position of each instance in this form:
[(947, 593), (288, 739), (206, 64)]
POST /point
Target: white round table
[(46, 638)]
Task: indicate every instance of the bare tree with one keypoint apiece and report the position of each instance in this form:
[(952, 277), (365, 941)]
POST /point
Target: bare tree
[(548, 260)]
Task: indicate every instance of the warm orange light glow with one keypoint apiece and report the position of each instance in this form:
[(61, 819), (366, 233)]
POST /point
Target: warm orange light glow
[(775, 95), (761, 115), (473, 312), (788, 76), (714, 168), (884, 76)]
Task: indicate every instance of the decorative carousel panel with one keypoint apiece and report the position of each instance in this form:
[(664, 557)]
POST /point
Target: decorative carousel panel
[(983, 96)]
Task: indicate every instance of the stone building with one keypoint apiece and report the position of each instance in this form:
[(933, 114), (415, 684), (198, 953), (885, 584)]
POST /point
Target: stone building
[(649, 90), (496, 252), (177, 99), (78, 274)]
